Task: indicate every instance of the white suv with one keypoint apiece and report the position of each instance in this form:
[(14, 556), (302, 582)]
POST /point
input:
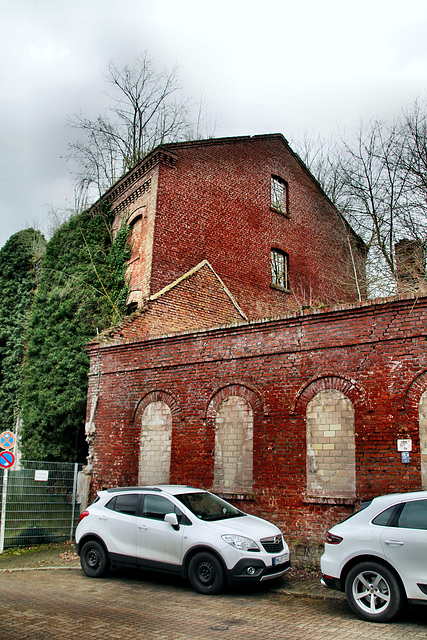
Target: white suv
[(181, 530), (378, 556)]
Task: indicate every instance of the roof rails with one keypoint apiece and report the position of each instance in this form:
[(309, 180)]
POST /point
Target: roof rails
[(117, 489)]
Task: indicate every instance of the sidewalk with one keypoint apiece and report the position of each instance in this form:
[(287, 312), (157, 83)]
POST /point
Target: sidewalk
[(302, 582)]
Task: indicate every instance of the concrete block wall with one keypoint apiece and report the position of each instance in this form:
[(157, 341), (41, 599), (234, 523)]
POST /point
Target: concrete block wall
[(330, 445), (233, 461)]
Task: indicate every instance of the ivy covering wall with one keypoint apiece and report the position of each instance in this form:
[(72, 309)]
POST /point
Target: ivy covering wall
[(18, 260), (80, 290)]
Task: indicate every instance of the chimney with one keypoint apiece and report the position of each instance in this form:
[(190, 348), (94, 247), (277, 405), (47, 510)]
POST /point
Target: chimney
[(410, 266)]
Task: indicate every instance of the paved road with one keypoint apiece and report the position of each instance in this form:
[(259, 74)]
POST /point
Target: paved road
[(66, 605)]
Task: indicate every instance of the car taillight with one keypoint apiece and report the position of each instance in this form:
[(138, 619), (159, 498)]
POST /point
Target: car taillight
[(83, 515), (332, 539)]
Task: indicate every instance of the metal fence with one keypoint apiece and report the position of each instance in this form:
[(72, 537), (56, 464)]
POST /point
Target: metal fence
[(38, 503)]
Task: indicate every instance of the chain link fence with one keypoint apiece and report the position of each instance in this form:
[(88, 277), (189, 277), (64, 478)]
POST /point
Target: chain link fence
[(39, 503)]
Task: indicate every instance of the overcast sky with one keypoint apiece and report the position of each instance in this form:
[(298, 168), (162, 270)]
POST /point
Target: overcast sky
[(263, 67)]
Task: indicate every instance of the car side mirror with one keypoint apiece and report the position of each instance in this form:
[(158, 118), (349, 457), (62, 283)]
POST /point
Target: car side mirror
[(173, 520)]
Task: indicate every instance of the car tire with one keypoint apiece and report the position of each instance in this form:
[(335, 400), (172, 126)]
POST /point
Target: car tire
[(94, 559), (373, 592), (206, 573)]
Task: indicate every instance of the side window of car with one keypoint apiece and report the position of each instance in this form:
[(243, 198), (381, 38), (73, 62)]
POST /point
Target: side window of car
[(124, 503), (387, 518), (414, 515), (157, 507)]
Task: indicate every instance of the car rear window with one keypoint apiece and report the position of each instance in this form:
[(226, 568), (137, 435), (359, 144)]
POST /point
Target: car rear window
[(405, 515), (387, 518), (124, 503), (414, 515)]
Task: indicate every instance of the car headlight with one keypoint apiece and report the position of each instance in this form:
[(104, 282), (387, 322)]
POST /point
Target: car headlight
[(240, 542)]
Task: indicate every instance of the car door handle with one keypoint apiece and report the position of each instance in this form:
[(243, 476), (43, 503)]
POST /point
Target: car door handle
[(396, 543), (143, 526), (103, 517)]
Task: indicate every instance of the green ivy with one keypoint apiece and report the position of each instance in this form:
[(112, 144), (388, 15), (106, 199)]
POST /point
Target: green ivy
[(81, 291), (18, 260)]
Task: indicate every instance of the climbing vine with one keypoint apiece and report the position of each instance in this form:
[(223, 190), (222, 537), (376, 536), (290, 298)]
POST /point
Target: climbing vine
[(81, 291), (18, 259)]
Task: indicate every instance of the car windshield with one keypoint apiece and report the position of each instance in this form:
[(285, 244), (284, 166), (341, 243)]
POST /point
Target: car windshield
[(206, 506)]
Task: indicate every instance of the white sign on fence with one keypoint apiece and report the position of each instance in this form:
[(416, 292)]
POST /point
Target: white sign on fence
[(41, 475)]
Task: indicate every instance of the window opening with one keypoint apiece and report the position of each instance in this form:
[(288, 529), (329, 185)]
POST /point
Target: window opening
[(156, 439), (279, 194), (233, 468), (331, 467), (279, 269)]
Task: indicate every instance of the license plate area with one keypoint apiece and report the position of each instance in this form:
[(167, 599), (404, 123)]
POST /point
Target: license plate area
[(280, 559)]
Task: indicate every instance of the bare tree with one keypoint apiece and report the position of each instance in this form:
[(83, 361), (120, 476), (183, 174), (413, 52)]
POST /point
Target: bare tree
[(375, 186), (146, 108), (378, 180), (414, 160), (321, 156)]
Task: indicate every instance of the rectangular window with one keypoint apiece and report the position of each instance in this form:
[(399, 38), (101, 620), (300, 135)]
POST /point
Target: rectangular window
[(279, 195), (124, 503), (279, 269)]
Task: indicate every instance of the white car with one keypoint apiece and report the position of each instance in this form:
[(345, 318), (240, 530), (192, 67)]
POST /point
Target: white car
[(378, 556), (180, 530)]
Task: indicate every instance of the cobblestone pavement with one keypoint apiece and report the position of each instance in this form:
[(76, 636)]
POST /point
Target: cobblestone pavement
[(64, 604)]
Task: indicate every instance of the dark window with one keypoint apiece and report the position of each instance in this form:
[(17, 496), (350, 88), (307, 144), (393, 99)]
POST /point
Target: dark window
[(279, 194), (207, 506), (157, 507), (414, 515), (279, 269), (124, 503), (387, 518)]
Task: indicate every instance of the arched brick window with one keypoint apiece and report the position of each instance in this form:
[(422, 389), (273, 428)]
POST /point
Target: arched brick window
[(330, 445), (233, 467), (422, 412), (155, 447)]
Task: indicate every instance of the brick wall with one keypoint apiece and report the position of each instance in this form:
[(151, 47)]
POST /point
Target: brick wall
[(211, 200), (373, 354), (197, 300), (215, 204)]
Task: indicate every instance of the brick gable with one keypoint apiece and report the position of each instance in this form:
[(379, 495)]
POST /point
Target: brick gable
[(198, 300)]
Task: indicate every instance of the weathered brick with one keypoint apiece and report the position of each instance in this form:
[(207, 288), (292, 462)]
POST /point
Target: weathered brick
[(277, 375)]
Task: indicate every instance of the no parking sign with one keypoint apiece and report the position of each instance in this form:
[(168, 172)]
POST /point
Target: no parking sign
[(7, 440), (6, 459)]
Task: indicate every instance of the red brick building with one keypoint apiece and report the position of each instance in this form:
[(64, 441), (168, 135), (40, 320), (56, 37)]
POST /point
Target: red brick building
[(251, 208), (295, 418)]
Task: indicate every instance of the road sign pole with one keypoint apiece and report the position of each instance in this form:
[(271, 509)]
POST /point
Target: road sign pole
[(3, 509)]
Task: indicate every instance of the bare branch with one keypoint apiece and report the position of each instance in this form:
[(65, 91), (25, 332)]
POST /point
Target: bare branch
[(146, 108)]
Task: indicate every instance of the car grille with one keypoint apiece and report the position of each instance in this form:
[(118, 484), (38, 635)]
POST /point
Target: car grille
[(273, 545)]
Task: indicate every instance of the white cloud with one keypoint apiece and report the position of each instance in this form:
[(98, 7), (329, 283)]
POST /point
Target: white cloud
[(273, 66)]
